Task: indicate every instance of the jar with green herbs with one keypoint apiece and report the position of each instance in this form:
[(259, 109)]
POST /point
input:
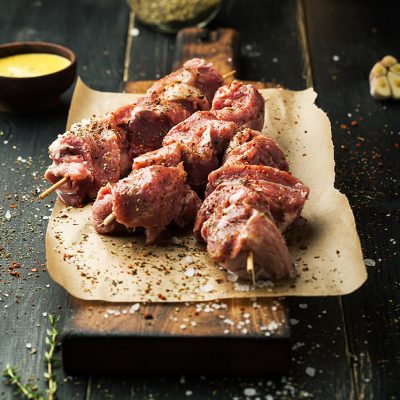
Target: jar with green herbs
[(172, 15)]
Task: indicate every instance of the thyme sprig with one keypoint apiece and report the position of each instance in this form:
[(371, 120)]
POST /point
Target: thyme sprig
[(28, 390)]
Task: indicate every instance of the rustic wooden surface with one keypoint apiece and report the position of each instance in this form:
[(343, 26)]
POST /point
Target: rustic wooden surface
[(351, 343), (88, 328)]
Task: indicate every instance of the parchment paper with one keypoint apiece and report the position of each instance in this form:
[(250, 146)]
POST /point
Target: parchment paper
[(326, 248)]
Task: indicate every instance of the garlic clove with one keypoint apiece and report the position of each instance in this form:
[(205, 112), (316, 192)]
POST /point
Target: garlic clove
[(388, 61), (380, 88), (394, 81), (395, 69)]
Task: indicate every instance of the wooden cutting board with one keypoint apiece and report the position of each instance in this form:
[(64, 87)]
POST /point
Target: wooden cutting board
[(236, 336)]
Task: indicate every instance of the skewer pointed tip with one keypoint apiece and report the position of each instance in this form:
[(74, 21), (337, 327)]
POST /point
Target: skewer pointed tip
[(53, 188), (108, 220), (228, 74), (250, 266)]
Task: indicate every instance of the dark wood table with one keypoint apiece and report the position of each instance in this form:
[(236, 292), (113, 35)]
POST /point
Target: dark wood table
[(343, 348)]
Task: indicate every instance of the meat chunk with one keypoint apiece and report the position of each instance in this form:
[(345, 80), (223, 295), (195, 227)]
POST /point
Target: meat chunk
[(241, 224), (240, 103), (170, 156), (202, 139), (253, 173), (195, 73), (147, 122), (151, 198), (254, 148), (246, 209), (100, 150), (90, 154)]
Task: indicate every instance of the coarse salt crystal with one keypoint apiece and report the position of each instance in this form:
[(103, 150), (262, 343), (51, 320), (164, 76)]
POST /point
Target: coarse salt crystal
[(232, 277), (241, 287), (303, 306), (190, 272), (227, 331), (188, 393), (207, 288), (8, 214), (249, 392), (134, 32), (134, 308), (369, 263), (182, 327), (335, 58), (310, 371), (294, 321), (28, 345), (44, 314), (188, 259)]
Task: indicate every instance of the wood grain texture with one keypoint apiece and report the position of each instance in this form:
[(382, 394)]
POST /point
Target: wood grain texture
[(367, 168), (219, 46), (23, 157)]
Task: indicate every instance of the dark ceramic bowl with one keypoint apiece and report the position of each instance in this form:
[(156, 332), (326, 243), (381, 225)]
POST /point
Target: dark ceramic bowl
[(37, 93)]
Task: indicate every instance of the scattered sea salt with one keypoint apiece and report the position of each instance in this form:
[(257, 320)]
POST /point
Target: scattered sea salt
[(190, 272), (232, 277), (8, 214), (207, 288), (335, 58), (134, 308), (44, 314), (241, 287), (303, 306), (250, 392), (369, 263), (28, 345), (188, 259), (294, 321), (310, 371), (188, 393), (134, 32)]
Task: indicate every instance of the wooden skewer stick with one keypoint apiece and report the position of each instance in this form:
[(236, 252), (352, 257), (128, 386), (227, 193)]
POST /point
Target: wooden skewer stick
[(108, 220), (250, 266), (54, 187), (228, 74)]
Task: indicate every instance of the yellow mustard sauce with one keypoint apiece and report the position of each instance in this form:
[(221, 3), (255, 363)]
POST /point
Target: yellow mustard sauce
[(32, 64)]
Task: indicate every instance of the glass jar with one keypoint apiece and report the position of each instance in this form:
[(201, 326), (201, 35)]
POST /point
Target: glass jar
[(172, 15)]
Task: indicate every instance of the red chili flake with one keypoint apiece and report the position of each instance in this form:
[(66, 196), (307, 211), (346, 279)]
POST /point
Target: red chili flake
[(162, 297), (12, 206), (34, 270), (148, 316), (67, 256), (83, 274), (343, 126), (358, 144), (353, 123), (15, 273)]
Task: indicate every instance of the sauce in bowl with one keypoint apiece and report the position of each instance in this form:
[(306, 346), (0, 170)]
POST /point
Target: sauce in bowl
[(32, 64)]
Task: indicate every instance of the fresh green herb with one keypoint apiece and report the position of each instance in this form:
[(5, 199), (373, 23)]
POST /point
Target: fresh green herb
[(28, 390)]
